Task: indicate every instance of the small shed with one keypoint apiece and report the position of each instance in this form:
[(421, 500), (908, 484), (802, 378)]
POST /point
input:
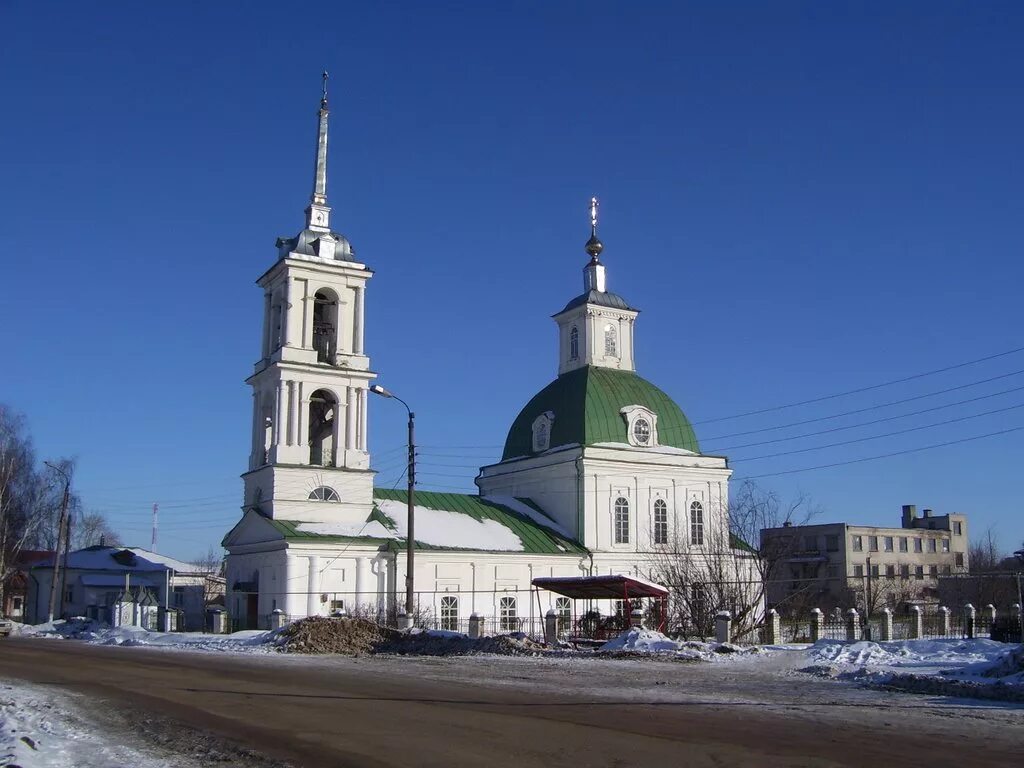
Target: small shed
[(616, 586)]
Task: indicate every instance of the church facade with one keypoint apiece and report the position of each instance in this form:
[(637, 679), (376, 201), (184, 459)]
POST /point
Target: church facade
[(601, 471)]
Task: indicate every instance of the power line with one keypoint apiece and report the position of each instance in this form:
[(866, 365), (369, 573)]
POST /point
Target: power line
[(881, 456), (887, 434), (868, 408), (864, 389), (869, 423)]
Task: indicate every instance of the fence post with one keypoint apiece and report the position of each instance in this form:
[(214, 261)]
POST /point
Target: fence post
[(991, 611), (886, 630), (916, 623), (817, 620), (277, 618), (944, 621), (969, 621), (551, 627), (852, 624), (723, 627), (476, 625), (404, 621), (773, 628), (636, 618)]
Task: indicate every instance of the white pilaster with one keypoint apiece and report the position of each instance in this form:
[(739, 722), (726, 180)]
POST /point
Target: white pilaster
[(280, 414), (292, 401), (362, 419), (267, 312), (357, 323), (314, 586), (286, 310), (350, 419)]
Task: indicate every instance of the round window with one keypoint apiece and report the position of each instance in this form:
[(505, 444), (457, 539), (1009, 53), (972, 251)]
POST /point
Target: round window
[(642, 431)]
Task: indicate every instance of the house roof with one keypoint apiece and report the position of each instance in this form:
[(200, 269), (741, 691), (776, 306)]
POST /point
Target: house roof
[(600, 298), (587, 405), (103, 558), (444, 521)]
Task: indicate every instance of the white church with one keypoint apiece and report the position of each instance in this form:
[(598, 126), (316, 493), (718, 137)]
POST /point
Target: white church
[(600, 468)]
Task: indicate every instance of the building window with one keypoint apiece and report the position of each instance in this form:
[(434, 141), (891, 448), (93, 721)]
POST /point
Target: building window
[(904, 571), (450, 613), (918, 547), (324, 493), (574, 344), (563, 607), (17, 600), (178, 597), (887, 542), (874, 571), (903, 544), (611, 347), (919, 571), (621, 521), (831, 543), (507, 614), (660, 522), (873, 543), (811, 543), (890, 571), (932, 545), (933, 571), (69, 596), (945, 545), (697, 523), (959, 559), (642, 431), (947, 570), (832, 570), (337, 607), (858, 571), (958, 528), (857, 543)]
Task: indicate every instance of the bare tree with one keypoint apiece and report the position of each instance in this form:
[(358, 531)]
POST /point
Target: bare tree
[(91, 529), (18, 492), (984, 554), (211, 565), (724, 566)]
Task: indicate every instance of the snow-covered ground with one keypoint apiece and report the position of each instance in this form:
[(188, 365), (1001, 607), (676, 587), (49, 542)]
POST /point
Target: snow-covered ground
[(44, 728), (248, 641)]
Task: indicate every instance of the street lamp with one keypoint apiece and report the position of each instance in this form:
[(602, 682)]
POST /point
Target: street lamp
[(411, 474), (62, 543)]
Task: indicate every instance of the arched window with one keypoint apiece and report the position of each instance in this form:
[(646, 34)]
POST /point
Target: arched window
[(325, 326), (621, 521), (507, 614), (611, 347), (450, 613), (323, 411), (574, 343), (642, 431), (697, 523), (324, 493), (660, 522)]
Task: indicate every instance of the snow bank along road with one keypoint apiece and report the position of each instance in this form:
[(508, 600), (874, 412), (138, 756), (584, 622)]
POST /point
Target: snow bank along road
[(520, 712)]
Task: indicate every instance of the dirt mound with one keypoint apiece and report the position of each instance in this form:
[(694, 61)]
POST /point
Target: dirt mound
[(354, 637), (317, 634)]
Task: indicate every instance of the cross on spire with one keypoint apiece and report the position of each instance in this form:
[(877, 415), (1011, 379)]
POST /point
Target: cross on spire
[(594, 246), (323, 99)]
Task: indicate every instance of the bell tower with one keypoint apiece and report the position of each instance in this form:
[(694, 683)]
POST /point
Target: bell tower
[(309, 459)]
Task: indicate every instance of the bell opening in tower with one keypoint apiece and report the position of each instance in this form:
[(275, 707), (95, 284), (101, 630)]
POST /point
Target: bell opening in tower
[(323, 421), (325, 326)]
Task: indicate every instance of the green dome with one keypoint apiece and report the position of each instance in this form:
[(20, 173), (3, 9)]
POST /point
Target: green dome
[(587, 402)]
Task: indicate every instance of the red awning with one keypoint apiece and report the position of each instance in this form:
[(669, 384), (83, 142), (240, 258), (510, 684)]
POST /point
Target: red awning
[(613, 587)]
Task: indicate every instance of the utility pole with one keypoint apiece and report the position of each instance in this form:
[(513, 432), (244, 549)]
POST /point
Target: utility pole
[(152, 541), (61, 533)]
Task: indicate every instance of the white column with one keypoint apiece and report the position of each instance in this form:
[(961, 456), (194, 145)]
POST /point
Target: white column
[(350, 419), (362, 419), (360, 597), (313, 587), (286, 310), (267, 311), (357, 322), (257, 447), (279, 415), (292, 411), (301, 418), (338, 457)]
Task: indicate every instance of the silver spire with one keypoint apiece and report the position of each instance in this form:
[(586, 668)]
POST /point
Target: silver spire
[(318, 214)]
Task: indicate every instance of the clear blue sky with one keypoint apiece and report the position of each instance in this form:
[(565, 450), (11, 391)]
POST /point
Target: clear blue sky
[(803, 199)]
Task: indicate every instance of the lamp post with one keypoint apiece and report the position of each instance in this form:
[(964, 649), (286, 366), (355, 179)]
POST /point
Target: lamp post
[(411, 475), (61, 533)]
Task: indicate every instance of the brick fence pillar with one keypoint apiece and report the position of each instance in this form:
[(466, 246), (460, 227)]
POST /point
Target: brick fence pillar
[(817, 624), (886, 629), (772, 628), (944, 621), (852, 624), (476, 626), (723, 627), (916, 623), (969, 616)]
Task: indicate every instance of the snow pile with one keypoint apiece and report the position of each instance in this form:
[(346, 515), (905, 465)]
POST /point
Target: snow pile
[(641, 642), (97, 633), (40, 729), (974, 668)]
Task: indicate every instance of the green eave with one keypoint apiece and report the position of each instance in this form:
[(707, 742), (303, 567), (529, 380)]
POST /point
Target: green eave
[(587, 404), (737, 543), (536, 538)]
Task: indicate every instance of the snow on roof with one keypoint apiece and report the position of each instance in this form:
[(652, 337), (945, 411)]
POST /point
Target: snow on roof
[(371, 528), (178, 565), (527, 511), (442, 528), (99, 558)]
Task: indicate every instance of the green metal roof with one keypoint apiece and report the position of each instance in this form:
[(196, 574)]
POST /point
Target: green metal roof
[(587, 402), (289, 529), (536, 537)]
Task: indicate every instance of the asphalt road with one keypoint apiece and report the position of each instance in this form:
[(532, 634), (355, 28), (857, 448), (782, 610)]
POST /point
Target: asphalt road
[(363, 714)]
